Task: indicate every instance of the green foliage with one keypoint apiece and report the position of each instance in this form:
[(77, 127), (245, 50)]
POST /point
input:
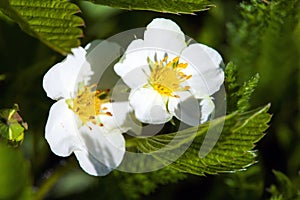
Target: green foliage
[(232, 152), (263, 40), (12, 126), (134, 186), (51, 21), (238, 95), (2, 77), (14, 179), (166, 6), (74, 180), (241, 185), (5, 18), (245, 93), (285, 189), (100, 20)]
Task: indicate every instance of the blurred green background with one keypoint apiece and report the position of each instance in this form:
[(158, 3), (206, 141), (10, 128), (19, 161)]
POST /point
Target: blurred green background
[(257, 36)]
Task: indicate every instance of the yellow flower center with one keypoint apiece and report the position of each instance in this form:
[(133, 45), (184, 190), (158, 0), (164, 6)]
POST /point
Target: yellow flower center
[(166, 77), (88, 104)]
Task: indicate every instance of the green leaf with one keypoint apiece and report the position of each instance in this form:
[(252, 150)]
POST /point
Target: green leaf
[(232, 152), (238, 95), (285, 190), (12, 126), (231, 86), (135, 185), (5, 18), (245, 93), (14, 179), (2, 77), (166, 6), (51, 21), (256, 39)]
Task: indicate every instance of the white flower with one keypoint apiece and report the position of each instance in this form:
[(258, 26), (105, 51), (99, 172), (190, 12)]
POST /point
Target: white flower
[(170, 78), (82, 121)]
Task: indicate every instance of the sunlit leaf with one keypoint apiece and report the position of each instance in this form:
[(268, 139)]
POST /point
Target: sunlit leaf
[(51, 21), (232, 152), (166, 6)]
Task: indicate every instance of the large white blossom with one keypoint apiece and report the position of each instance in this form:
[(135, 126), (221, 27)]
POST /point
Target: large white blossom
[(82, 121), (169, 77)]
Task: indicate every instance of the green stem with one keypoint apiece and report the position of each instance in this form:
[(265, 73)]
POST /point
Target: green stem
[(45, 187)]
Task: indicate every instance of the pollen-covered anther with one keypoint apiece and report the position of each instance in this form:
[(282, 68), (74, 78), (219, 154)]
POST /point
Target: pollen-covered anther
[(166, 77), (109, 114), (182, 65), (88, 104), (176, 59), (165, 59), (184, 76)]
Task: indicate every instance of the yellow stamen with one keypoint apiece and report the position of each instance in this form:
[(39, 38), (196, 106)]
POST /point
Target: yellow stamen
[(88, 104), (166, 77)]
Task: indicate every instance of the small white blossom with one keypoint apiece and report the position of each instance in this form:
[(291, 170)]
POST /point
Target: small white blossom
[(168, 77), (82, 121)]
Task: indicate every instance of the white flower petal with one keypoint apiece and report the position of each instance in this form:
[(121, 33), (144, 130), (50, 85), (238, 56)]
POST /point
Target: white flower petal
[(204, 66), (202, 56), (135, 45), (90, 164), (207, 107), (136, 77), (134, 57), (121, 118), (186, 108), (100, 55), (149, 107), (61, 129), (164, 34), (103, 151), (215, 79), (61, 80), (206, 84)]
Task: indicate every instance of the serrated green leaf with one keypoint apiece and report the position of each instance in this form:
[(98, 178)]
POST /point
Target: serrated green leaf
[(232, 152), (51, 21), (231, 86), (166, 6), (238, 95), (245, 93)]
